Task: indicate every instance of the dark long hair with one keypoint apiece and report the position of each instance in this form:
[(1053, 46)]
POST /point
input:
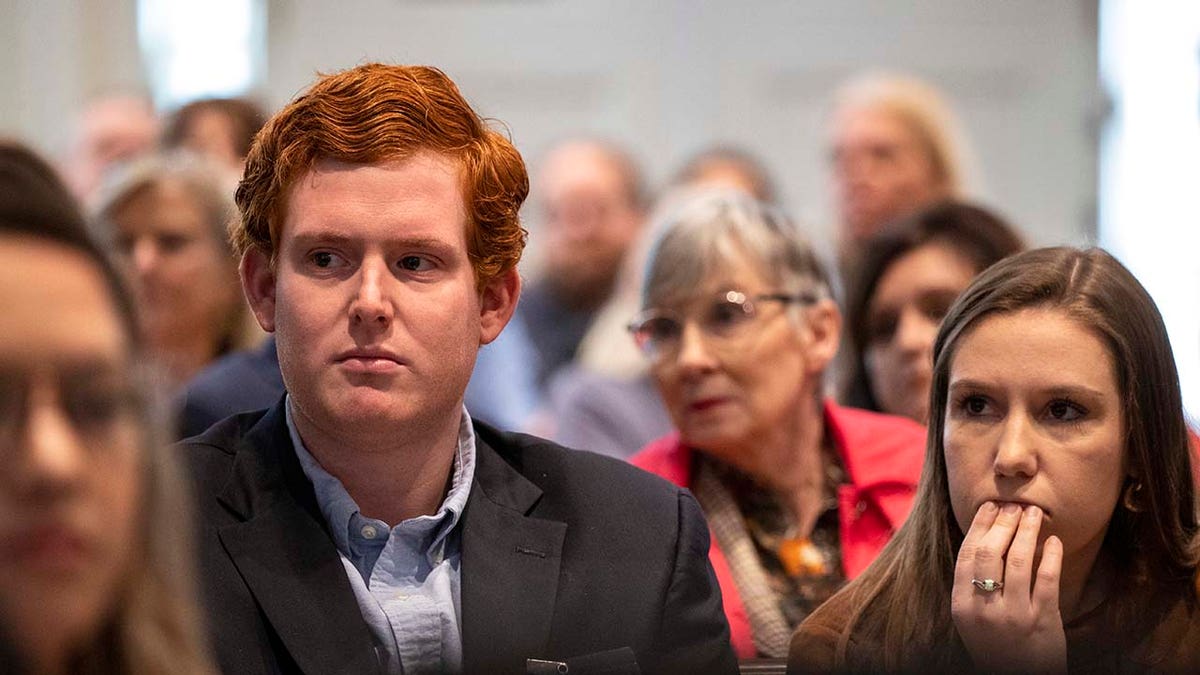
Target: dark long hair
[(976, 233), (35, 202), (154, 625), (901, 603)]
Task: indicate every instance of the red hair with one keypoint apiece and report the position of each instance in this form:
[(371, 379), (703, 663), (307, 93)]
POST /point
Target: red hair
[(376, 113)]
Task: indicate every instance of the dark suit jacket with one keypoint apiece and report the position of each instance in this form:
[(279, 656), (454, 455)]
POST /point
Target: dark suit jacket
[(237, 382), (564, 554)]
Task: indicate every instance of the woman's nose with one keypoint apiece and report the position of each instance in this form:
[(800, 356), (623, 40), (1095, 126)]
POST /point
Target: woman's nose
[(1016, 451), (144, 255), (51, 457), (695, 354)]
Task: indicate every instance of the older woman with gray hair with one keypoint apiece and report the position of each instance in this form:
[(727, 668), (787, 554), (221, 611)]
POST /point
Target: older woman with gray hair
[(800, 494), (165, 217)]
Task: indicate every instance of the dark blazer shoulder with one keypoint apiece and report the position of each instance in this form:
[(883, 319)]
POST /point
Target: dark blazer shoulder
[(558, 469)]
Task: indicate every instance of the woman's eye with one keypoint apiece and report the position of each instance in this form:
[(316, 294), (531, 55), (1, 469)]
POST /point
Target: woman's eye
[(975, 405), (171, 243), (1064, 411), (662, 330), (881, 329), (124, 244), (726, 315), (415, 263), (95, 409)]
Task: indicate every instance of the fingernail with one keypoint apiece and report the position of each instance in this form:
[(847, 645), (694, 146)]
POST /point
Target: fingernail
[(1032, 512), (989, 507), (1011, 509)]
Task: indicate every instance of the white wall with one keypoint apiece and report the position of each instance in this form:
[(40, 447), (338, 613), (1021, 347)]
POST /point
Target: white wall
[(668, 76), (56, 53), (672, 75)]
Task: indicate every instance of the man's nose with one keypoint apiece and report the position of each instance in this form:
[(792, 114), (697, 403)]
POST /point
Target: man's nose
[(371, 304)]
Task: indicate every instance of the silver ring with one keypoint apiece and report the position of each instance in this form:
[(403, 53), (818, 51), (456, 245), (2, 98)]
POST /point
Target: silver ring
[(987, 585)]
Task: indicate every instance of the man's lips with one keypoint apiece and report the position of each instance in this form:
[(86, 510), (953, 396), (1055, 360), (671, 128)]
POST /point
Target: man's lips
[(365, 361)]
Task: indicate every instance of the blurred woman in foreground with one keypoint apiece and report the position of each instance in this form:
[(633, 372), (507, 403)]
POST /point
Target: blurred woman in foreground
[(1055, 525), (800, 493), (94, 560)]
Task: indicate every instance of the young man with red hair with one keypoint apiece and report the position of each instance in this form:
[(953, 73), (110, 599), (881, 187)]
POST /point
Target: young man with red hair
[(365, 523)]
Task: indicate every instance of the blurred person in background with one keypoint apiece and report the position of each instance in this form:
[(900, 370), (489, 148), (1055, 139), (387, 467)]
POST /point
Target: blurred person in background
[(894, 147), (110, 130), (800, 493), (606, 401), (1055, 525), (218, 128), (908, 276), (166, 216), (592, 199), (223, 129), (728, 166), (95, 558)]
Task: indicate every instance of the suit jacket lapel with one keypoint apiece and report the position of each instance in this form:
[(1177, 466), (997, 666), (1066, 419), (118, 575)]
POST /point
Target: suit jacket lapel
[(288, 560), (510, 568)]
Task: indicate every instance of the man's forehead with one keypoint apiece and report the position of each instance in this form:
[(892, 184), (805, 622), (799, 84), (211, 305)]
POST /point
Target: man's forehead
[(430, 159), (426, 191)]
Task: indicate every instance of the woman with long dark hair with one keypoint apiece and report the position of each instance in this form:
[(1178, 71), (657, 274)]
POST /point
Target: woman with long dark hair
[(95, 562), (1055, 523)]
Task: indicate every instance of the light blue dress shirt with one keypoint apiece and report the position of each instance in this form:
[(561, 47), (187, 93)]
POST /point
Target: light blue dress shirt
[(406, 579)]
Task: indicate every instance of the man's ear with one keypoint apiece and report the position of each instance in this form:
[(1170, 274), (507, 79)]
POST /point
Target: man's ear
[(497, 304), (258, 283), (824, 326)]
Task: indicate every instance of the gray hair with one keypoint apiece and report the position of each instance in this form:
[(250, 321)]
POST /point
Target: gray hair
[(203, 180), (712, 229)]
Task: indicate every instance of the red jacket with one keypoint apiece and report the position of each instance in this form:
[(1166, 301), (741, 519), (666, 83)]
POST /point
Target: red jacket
[(883, 456)]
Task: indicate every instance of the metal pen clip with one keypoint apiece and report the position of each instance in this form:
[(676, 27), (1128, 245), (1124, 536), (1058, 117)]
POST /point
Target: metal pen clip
[(542, 667)]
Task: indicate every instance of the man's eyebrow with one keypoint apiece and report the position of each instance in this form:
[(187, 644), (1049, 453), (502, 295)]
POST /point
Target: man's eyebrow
[(331, 238), (337, 239)]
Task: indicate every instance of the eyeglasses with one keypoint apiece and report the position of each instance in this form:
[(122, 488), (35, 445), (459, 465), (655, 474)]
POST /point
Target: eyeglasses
[(95, 406), (723, 320)]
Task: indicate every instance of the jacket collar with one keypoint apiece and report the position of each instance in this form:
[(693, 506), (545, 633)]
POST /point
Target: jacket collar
[(878, 450), (287, 559), (511, 561), (510, 558)]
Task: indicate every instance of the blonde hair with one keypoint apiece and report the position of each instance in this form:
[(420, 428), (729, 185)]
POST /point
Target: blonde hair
[(206, 185), (924, 111)]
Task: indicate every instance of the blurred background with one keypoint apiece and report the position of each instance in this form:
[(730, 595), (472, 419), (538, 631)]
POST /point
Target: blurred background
[(1081, 117)]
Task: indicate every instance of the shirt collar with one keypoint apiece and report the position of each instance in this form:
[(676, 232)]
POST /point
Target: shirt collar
[(339, 508)]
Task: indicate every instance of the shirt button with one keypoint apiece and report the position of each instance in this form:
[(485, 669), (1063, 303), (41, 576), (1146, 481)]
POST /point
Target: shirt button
[(369, 531)]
